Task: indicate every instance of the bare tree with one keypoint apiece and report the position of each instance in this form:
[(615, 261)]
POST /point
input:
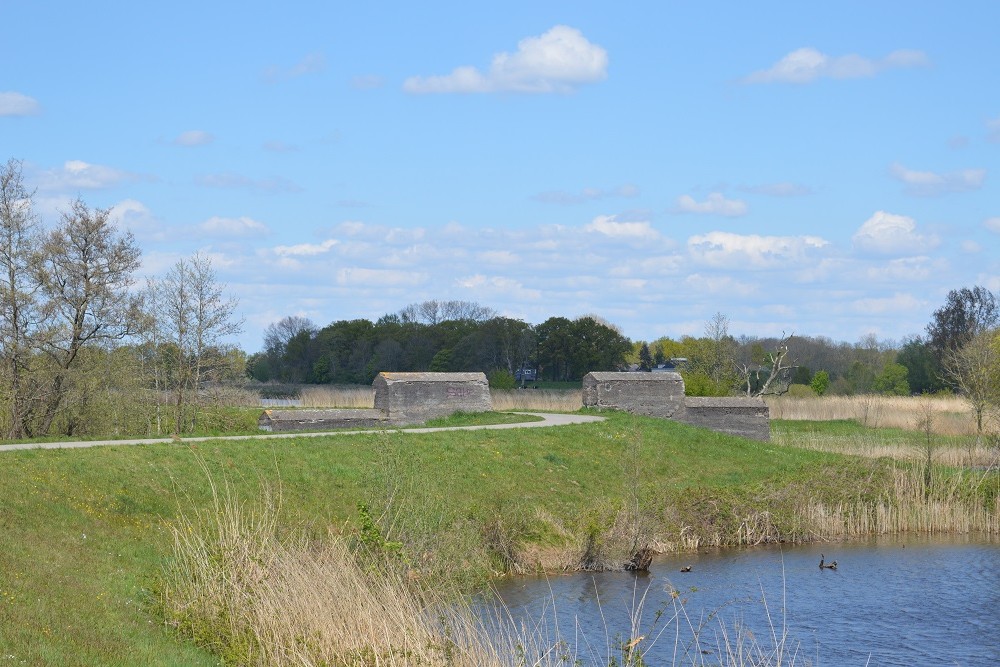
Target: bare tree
[(277, 334), (771, 374), (87, 272), (192, 316), (974, 369), (20, 310)]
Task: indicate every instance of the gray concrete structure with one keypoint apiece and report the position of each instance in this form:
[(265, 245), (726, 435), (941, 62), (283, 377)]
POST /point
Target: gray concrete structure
[(416, 397), (651, 394), (662, 395), (748, 417), (318, 420), (401, 399)]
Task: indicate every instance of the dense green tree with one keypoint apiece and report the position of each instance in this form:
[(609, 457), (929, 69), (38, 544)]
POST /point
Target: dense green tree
[(923, 368), (965, 314), (820, 382), (892, 380)]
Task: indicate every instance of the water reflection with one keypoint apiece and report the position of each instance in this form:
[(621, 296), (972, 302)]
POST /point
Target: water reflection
[(918, 601)]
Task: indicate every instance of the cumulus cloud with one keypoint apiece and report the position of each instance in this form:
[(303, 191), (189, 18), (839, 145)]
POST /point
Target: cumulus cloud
[(807, 65), (310, 64), (483, 286), (715, 204), (305, 249), (585, 195), (931, 184), (558, 61), (80, 175), (736, 251), (889, 234), (193, 138), (242, 226), (608, 225), (992, 224), (18, 104)]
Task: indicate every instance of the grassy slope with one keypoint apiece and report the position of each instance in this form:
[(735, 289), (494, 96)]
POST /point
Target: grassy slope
[(86, 532)]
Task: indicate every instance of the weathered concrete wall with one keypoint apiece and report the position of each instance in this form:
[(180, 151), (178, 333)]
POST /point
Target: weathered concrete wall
[(662, 395), (416, 397), (652, 394), (747, 417), (318, 420)]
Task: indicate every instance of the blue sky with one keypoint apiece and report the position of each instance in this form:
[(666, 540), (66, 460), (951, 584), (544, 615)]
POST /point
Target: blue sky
[(823, 171)]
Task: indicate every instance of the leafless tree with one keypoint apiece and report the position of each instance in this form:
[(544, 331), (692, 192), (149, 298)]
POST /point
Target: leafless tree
[(20, 309), (772, 374), (193, 316), (974, 369), (277, 334), (87, 272)]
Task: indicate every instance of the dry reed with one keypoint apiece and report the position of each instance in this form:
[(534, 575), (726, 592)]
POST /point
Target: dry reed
[(951, 414), (541, 400)]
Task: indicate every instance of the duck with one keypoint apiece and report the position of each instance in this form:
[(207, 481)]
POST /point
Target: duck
[(686, 568), (823, 565)]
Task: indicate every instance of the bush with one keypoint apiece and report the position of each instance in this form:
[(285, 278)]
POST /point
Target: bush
[(501, 379)]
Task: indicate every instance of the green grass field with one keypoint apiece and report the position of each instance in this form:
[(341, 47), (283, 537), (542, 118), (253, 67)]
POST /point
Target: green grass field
[(87, 533)]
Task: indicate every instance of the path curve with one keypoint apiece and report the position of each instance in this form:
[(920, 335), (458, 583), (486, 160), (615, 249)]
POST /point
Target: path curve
[(548, 419)]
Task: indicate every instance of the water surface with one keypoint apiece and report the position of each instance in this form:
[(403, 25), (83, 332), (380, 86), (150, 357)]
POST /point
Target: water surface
[(913, 601)]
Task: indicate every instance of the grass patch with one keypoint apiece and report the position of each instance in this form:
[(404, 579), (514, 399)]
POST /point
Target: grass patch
[(87, 533)]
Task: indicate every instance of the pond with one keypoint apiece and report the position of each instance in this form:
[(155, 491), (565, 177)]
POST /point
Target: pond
[(910, 601)]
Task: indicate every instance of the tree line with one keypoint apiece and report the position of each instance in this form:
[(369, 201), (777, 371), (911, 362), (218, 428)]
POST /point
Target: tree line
[(83, 348), (437, 336)]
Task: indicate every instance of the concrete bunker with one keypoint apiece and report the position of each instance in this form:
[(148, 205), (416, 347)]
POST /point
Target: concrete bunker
[(662, 395), (400, 399)]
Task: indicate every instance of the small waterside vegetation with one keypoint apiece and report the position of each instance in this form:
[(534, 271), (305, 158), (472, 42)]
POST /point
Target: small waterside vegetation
[(90, 570)]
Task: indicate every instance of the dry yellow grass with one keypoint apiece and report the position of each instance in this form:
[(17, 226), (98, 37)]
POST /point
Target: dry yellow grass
[(322, 396), (951, 414)]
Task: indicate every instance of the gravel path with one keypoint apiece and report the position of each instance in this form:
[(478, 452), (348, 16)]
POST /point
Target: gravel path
[(548, 419)]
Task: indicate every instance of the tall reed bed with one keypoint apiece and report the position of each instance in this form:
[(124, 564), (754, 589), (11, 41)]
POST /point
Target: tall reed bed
[(912, 506), (951, 414), (542, 400)]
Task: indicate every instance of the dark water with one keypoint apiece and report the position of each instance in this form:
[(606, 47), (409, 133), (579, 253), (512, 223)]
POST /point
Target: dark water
[(918, 601)]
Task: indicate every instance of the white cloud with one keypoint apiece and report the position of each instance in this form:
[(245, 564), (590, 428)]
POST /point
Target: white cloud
[(608, 225), (508, 288), (18, 104), (905, 269), (194, 138), (80, 175), (241, 226), (992, 224), (305, 249), (558, 61), (310, 64), (715, 204), (807, 65), (897, 303), (889, 234), (735, 251), (931, 184)]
